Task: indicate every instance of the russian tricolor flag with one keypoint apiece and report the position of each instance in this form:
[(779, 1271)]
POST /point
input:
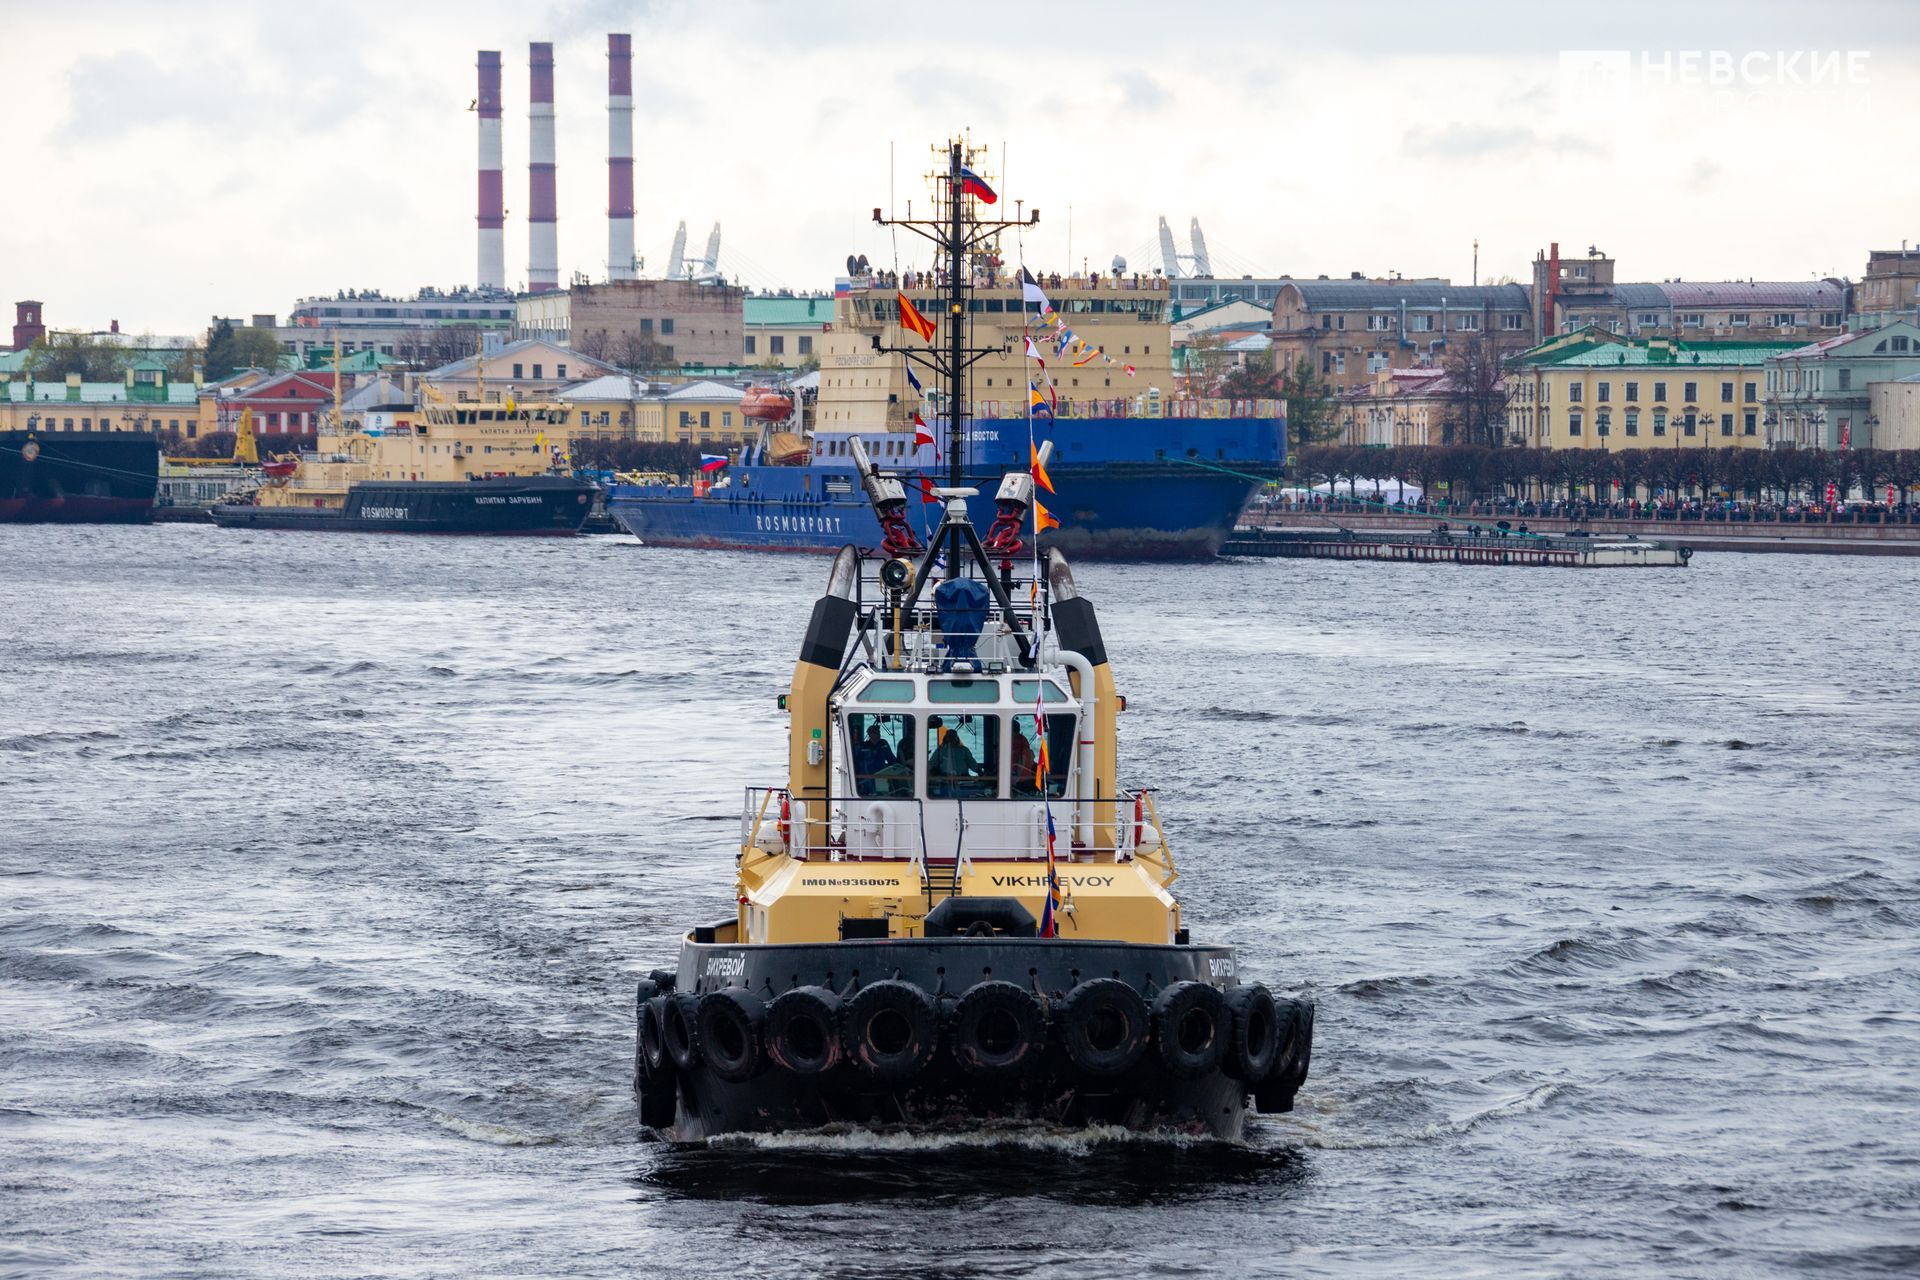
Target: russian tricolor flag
[(710, 462), (972, 184)]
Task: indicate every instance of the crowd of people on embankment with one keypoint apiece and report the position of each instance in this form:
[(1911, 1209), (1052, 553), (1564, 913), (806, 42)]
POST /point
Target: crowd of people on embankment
[(1727, 510)]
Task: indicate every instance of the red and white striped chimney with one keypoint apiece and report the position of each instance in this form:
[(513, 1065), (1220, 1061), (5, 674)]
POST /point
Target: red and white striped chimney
[(493, 208), (543, 243), (620, 157)]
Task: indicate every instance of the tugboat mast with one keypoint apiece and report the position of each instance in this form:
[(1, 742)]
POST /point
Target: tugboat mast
[(956, 322)]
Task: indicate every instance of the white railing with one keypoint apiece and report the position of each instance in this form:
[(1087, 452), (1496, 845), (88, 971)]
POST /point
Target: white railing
[(957, 832)]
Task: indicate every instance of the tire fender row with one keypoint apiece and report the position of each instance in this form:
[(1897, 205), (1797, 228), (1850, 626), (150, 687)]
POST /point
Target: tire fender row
[(887, 1032)]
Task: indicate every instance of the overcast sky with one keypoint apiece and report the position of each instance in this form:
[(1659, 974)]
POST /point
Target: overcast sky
[(168, 161)]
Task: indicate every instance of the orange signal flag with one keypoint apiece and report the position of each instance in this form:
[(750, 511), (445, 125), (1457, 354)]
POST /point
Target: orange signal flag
[(1041, 480), (1043, 519), (911, 318)]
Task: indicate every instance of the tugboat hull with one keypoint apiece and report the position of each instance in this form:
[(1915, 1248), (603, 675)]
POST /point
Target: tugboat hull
[(930, 1033), (522, 506)]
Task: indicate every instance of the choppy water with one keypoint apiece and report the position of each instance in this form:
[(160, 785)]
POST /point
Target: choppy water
[(327, 864)]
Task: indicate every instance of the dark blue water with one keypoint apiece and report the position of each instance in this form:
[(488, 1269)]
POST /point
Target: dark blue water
[(327, 864)]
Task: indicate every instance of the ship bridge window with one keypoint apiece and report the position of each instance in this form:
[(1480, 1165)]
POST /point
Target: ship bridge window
[(963, 691), (882, 752), (1023, 771), (888, 691), (1026, 692), (963, 757)]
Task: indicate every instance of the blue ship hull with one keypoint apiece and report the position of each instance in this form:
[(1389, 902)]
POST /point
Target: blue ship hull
[(1124, 489)]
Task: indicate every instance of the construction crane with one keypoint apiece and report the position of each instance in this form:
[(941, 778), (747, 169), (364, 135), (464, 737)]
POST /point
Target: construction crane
[(246, 450)]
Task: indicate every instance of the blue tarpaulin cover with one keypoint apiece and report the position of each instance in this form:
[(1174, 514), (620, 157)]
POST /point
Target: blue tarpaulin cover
[(961, 605)]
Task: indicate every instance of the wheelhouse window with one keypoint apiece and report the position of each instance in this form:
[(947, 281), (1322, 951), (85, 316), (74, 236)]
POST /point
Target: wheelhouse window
[(1023, 779), (882, 750), (963, 752), (963, 691), (888, 691)]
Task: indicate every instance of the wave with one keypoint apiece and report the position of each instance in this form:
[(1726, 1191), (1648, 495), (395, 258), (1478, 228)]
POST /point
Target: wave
[(1590, 954), (1530, 1101), (497, 1135), (894, 1140), (55, 738)]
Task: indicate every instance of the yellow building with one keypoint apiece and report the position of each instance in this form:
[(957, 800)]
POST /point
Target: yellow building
[(623, 407), (147, 400), (785, 330), (1399, 408), (1593, 390)]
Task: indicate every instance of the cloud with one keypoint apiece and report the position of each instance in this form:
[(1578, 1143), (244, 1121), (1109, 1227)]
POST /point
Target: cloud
[(1141, 92), (110, 96), (1704, 174), (113, 94), (1462, 141)]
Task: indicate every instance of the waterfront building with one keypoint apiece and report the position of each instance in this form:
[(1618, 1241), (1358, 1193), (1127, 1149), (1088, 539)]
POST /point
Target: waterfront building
[(705, 413), (148, 399), (429, 328), (282, 403), (1190, 293), (1891, 288), (531, 369), (1399, 408), (1818, 395), (607, 407), (1351, 330), (1234, 318), (784, 330), (639, 323), (1572, 294), (1597, 390)]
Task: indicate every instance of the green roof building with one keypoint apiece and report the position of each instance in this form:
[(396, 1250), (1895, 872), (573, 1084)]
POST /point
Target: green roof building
[(1591, 389)]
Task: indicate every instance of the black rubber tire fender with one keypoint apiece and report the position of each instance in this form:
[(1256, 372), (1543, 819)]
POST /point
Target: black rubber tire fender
[(888, 1030), (646, 989), (682, 1030), (1103, 1026), (1296, 1047), (1190, 1028), (653, 1035), (802, 1033), (1253, 1044), (728, 1026), (998, 1029)]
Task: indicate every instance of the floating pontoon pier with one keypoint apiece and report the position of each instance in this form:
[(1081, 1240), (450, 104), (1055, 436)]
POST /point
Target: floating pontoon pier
[(1494, 546)]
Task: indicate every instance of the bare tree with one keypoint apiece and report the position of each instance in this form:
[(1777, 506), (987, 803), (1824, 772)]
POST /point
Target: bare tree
[(638, 353), (594, 344), (1476, 390)]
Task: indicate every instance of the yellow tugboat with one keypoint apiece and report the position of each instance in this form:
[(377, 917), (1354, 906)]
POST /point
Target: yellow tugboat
[(954, 910)]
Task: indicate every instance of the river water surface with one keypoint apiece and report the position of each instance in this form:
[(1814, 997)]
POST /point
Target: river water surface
[(327, 865)]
